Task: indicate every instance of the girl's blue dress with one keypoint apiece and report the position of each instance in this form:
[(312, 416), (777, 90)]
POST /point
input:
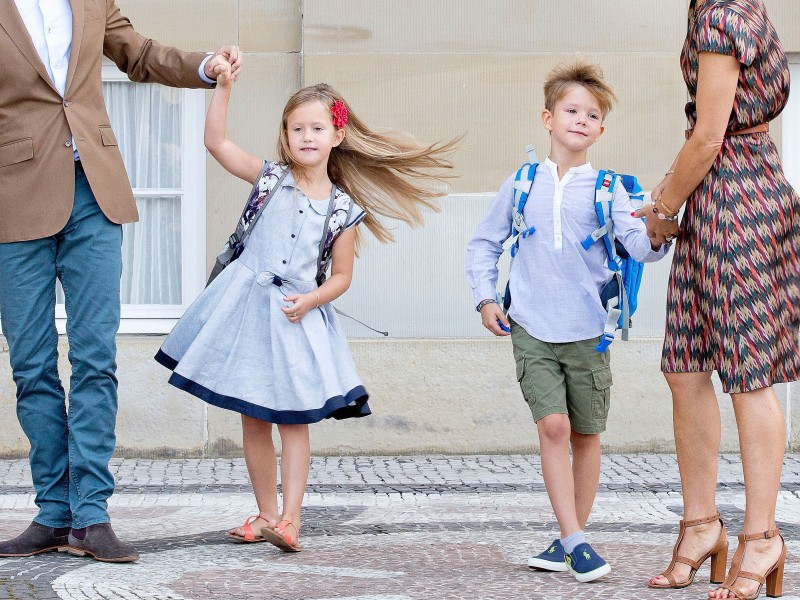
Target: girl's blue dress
[(234, 347)]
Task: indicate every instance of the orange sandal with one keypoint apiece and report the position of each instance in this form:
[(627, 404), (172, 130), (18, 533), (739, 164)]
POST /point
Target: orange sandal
[(249, 537), (718, 554), (284, 542)]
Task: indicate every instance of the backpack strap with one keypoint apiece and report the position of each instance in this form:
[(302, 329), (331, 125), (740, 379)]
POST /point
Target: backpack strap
[(523, 181), (266, 184), (323, 256), (618, 310)]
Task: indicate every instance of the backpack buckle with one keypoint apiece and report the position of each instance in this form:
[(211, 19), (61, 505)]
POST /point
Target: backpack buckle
[(605, 342)]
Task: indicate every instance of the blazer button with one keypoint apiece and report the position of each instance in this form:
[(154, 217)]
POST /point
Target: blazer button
[(68, 143), (67, 103)]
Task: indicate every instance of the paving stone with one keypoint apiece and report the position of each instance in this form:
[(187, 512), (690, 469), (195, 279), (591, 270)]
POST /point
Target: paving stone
[(380, 528)]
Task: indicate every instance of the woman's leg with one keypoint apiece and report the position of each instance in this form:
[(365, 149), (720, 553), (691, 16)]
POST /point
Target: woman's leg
[(696, 422), (295, 462), (259, 456), (554, 436), (585, 473), (762, 436)]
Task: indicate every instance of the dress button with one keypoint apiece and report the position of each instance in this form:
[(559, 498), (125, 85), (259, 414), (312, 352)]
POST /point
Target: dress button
[(284, 262), (293, 235), (68, 143), (301, 211)]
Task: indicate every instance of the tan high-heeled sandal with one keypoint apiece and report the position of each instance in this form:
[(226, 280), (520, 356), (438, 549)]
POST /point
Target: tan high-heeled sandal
[(773, 577), (718, 554)]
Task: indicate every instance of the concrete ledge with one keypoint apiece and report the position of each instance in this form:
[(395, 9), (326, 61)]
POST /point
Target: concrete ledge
[(447, 396)]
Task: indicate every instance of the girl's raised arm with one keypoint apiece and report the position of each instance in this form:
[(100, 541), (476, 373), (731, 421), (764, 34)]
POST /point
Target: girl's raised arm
[(229, 155)]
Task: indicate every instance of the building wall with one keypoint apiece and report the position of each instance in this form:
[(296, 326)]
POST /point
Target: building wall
[(438, 70)]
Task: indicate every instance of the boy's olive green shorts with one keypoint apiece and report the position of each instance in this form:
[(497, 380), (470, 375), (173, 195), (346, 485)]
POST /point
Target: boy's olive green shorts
[(570, 378)]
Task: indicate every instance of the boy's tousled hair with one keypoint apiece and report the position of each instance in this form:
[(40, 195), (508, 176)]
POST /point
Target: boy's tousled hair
[(373, 168), (587, 75)]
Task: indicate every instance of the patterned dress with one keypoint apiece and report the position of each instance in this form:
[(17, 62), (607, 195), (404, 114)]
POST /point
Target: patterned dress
[(734, 294)]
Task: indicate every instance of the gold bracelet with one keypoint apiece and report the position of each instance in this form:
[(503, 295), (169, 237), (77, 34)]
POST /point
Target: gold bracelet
[(668, 212), (317, 293)]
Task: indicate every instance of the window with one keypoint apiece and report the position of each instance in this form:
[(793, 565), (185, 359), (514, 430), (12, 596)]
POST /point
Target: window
[(790, 140), (159, 130)]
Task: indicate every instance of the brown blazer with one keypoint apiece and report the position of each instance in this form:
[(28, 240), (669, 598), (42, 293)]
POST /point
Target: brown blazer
[(37, 172)]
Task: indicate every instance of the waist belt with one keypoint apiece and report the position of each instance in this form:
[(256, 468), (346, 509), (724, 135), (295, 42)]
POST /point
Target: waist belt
[(762, 128)]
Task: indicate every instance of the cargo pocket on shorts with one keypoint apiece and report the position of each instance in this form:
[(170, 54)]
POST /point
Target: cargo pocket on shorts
[(601, 392), (520, 368)]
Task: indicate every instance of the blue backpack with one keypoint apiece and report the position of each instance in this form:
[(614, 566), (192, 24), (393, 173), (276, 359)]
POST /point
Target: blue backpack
[(620, 295)]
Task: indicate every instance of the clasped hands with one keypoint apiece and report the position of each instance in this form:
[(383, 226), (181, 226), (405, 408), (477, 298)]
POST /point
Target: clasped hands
[(224, 65), (660, 231)]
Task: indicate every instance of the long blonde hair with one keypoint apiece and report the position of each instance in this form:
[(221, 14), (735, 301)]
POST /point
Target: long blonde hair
[(374, 168)]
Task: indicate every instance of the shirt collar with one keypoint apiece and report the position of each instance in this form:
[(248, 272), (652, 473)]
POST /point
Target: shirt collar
[(584, 168)]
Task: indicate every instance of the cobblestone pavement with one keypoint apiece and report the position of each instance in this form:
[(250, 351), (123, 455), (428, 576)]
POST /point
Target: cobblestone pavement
[(379, 528)]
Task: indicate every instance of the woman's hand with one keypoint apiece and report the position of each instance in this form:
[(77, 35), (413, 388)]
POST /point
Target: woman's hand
[(490, 315), (301, 304), (660, 231), (659, 189)]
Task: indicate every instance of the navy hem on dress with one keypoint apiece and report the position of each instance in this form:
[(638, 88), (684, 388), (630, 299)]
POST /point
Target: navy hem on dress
[(338, 407), (166, 360)]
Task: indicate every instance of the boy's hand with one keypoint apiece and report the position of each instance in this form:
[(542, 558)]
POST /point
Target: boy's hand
[(490, 315), (660, 231), (220, 69), (232, 55)]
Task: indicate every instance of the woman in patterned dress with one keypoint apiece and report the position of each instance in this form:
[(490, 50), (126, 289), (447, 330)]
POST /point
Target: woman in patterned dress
[(733, 304)]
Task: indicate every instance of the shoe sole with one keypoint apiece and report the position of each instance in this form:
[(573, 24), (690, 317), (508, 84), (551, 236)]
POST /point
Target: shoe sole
[(42, 551), (591, 575), (80, 552), (240, 540), (547, 565), (274, 538)]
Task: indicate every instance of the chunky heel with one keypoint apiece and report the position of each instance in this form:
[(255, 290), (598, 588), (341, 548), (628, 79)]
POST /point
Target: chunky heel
[(773, 576), (775, 579), (718, 555), (719, 563)]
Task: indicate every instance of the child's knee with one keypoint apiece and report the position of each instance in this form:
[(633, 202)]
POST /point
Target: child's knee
[(584, 440), (255, 425), (554, 429)]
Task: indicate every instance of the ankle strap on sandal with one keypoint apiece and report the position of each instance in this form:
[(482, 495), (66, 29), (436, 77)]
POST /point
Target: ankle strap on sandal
[(716, 517), (764, 535)]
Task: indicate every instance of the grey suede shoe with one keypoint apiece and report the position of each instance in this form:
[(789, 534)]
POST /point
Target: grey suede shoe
[(36, 539), (102, 544)]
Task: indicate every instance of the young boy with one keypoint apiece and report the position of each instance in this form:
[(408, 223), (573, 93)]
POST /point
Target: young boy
[(556, 316)]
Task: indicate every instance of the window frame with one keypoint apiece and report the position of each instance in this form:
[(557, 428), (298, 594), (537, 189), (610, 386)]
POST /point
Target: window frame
[(790, 127), (160, 318)]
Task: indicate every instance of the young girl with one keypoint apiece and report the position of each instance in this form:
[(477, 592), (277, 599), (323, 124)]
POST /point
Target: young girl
[(263, 339)]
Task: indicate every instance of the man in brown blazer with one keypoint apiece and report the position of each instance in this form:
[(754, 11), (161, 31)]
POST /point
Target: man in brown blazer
[(64, 194)]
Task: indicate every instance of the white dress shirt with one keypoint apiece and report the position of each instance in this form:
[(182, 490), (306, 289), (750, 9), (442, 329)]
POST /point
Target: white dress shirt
[(555, 284), (49, 23)]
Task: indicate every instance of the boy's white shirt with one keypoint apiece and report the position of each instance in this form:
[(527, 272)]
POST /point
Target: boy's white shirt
[(555, 283)]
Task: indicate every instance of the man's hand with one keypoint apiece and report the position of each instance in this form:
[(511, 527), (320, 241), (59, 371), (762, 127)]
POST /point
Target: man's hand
[(232, 55)]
